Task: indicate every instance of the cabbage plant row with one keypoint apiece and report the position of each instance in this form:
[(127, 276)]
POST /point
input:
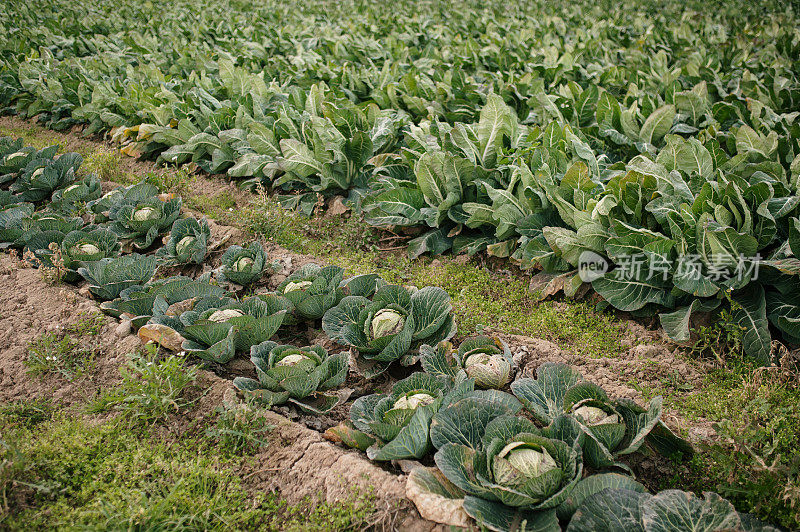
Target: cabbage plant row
[(545, 452), (658, 144)]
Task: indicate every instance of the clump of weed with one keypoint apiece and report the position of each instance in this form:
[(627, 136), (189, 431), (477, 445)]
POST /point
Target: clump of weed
[(91, 324), (355, 512), (175, 179), (719, 339), (53, 274), (105, 164), (754, 463), (152, 388), (265, 218), (220, 206), (240, 428), (60, 354), (16, 262), (27, 413)]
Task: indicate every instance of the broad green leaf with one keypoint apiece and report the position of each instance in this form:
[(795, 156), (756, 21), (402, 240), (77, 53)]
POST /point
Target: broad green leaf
[(661, 512), (610, 510), (657, 124), (626, 291), (501, 518), (751, 315), (676, 323), (544, 396), (592, 485)]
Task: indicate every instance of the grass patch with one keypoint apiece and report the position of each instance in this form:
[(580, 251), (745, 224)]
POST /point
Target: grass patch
[(220, 206), (481, 297), (105, 164), (70, 474), (757, 418), (69, 353), (175, 179), (33, 135), (26, 414)]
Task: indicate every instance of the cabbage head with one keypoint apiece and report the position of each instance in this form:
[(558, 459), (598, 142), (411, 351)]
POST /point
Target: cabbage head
[(187, 243), (299, 375), (244, 266), (486, 360), (399, 421), (144, 220), (392, 326)]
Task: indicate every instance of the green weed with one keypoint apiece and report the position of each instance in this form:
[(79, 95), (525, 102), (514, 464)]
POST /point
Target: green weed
[(755, 463), (104, 163), (220, 206), (152, 388), (90, 325), (239, 428), (177, 179), (59, 354), (27, 413), (70, 474)]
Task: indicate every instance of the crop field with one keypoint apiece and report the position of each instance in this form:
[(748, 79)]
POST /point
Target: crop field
[(421, 265)]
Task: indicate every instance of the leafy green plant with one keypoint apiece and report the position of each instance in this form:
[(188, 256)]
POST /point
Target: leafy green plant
[(108, 277), (115, 199), (395, 322), (72, 200), (217, 333), (187, 243), (607, 429), (486, 360), (244, 266), (152, 388), (39, 229), (75, 248), (298, 375), (43, 176), (508, 471), (14, 156), (635, 511), (313, 290), (13, 223), (144, 220), (398, 423)]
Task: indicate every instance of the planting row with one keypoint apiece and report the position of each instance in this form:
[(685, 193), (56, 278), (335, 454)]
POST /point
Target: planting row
[(550, 453), (610, 147)]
